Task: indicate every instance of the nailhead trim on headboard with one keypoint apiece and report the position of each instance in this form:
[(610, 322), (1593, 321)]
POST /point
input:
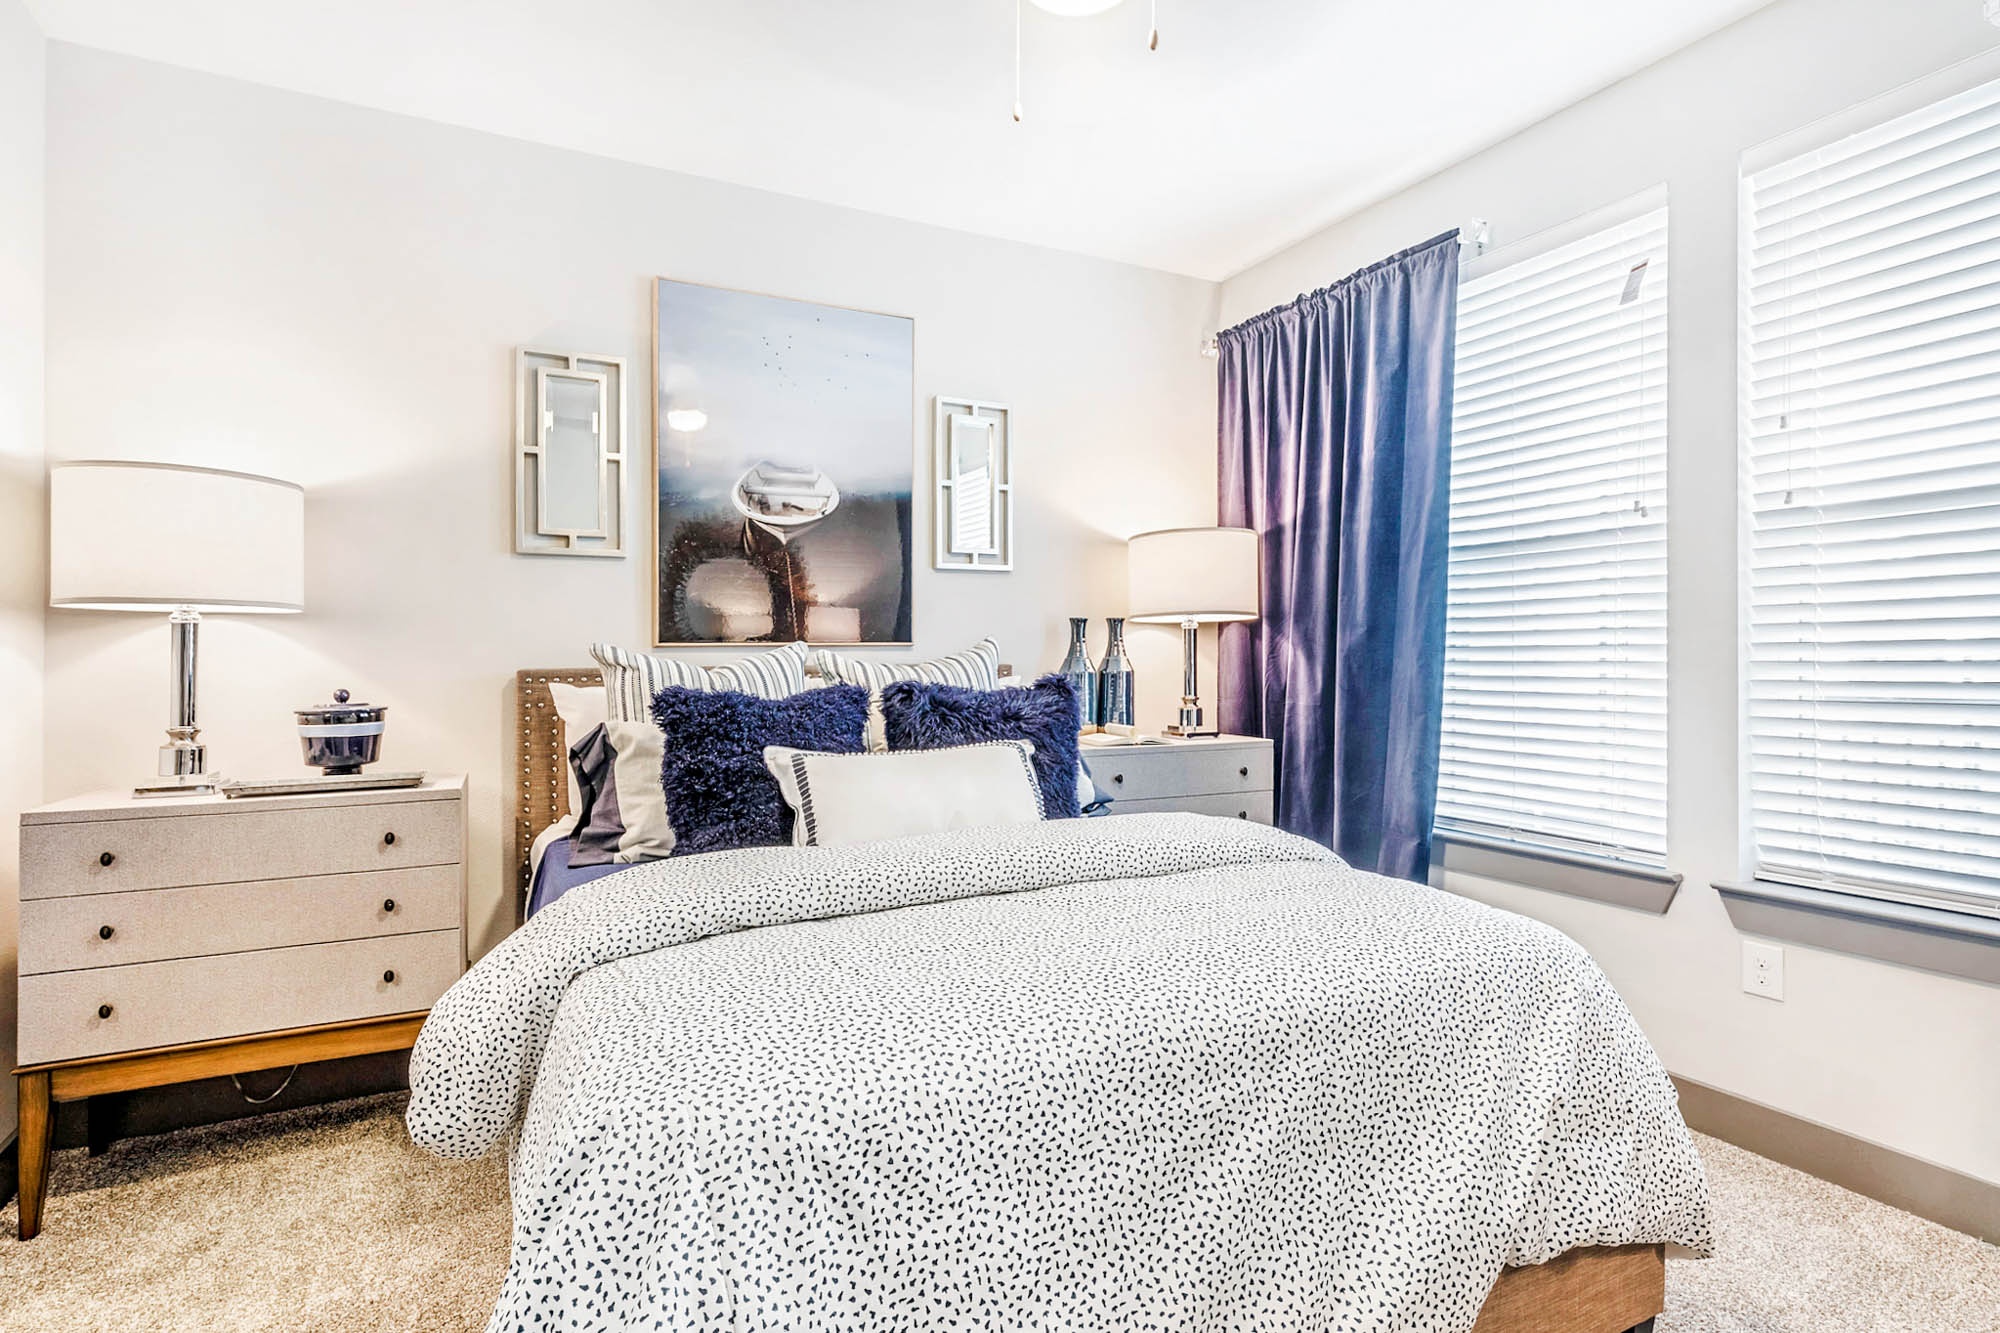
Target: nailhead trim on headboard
[(543, 794)]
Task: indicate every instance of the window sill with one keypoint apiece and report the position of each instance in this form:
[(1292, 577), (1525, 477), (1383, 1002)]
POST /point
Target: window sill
[(1935, 939), (1639, 888)]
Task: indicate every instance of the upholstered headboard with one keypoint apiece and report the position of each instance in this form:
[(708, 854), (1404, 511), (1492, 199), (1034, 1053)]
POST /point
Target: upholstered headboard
[(540, 766), (541, 790)]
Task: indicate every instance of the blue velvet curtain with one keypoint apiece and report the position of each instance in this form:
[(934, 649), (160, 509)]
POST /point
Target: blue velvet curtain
[(1335, 433)]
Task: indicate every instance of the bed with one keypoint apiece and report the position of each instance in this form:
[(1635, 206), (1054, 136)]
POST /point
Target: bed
[(1162, 1071)]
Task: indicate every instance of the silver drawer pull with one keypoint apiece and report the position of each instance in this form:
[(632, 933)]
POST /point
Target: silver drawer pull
[(390, 976), (105, 858), (105, 932), (104, 1011)]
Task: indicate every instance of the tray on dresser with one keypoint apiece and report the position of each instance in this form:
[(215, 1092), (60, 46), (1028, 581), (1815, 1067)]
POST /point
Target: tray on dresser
[(312, 785)]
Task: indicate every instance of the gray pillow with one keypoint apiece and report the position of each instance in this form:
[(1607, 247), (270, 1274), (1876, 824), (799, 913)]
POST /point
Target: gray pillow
[(624, 817)]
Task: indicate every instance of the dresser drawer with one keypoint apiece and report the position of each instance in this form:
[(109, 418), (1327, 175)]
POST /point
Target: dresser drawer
[(1251, 805), (1144, 773), (117, 855), (230, 995), (147, 925)]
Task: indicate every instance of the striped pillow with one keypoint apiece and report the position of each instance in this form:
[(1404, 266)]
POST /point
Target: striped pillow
[(977, 668), (632, 679)]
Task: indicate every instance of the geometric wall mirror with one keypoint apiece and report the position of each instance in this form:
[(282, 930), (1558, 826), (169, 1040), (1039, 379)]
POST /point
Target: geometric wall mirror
[(974, 500), (569, 454)]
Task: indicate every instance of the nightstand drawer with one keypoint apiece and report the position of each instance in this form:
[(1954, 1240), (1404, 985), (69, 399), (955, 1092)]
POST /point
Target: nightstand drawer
[(1192, 768), (69, 1015), (1252, 805), (150, 925), (227, 846)]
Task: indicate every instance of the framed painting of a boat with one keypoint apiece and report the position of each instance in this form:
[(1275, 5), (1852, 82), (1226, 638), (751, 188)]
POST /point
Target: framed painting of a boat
[(783, 464)]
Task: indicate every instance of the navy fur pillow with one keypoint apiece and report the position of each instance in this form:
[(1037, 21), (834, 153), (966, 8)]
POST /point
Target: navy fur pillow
[(719, 794), (921, 716)]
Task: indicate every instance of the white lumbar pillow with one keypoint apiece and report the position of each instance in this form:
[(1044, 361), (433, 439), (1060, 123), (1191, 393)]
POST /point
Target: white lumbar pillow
[(838, 799)]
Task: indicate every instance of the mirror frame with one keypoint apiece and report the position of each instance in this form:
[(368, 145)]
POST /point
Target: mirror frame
[(533, 535), (998, 421)]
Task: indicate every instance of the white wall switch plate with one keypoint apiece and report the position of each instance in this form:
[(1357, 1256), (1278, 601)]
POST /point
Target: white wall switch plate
[(1764, 969)]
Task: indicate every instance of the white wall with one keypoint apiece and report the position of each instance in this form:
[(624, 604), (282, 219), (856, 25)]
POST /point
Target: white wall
[(1901, 1057), (23, 564), (270, 282)]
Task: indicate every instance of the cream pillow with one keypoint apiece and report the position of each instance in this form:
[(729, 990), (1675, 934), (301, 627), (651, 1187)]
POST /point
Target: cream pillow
[(627, 820), (838, 799)]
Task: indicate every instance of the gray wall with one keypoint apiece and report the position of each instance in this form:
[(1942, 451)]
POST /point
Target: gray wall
[(1901, 1057), (271, 282), (23, 560)]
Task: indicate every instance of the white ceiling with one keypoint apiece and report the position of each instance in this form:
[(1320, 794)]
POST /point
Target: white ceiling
[(1255, 123)]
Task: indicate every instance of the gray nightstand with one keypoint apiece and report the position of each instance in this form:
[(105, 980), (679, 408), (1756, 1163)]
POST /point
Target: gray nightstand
[(1215, 775), (188, 937)]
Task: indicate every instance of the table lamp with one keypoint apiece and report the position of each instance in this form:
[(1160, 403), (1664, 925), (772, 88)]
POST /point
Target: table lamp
[(181, 540), (1192, 577)]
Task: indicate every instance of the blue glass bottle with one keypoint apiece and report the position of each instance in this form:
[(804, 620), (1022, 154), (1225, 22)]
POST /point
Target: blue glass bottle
[(1078, 671), (1114, 680)]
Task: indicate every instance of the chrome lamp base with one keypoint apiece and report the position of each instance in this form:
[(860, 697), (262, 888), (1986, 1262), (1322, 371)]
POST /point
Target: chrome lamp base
[(1189, 724), (183, 759)]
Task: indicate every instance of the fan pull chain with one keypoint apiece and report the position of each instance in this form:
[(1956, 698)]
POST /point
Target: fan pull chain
[(1152, 44), (1017, 60)]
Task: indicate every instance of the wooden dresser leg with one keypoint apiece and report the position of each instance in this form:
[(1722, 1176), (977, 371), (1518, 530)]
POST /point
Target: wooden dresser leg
[(34, 1150)]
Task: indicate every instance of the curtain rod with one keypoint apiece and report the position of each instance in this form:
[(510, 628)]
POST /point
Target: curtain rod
[(1476, 235)]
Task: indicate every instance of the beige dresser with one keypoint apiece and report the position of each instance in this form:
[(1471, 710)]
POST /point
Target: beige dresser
[(1212, 775), (173, 938)]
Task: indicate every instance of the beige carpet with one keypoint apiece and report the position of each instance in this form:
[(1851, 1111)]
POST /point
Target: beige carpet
[(329, 1219)]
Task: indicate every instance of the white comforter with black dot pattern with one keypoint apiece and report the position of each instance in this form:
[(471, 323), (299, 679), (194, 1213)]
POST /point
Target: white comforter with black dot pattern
[(1151, 1072)]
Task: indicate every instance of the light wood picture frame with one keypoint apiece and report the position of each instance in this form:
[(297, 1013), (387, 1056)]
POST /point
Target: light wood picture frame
[(784, 469)]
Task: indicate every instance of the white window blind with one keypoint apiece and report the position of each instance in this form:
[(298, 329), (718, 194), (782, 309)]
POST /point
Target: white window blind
[(1555, 681), (1872, 452)]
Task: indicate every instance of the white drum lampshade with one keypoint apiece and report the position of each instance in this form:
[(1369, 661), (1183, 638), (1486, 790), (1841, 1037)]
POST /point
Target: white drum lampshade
[(180, 540), (153, 536), (1192, 577)]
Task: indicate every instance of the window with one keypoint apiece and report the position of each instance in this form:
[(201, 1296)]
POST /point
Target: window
[(1872, 460), (1555, 680)]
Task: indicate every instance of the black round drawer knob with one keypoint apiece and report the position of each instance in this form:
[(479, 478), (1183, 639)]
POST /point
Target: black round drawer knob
[(104, 1011), (105, 932), (390, 976), (388, 904), (1118, 777), (1243, 814), (105, 858), (388, 840), (1243, 772)]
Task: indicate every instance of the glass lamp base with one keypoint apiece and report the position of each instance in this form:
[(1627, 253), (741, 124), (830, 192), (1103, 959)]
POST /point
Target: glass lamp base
[(1189, 724)]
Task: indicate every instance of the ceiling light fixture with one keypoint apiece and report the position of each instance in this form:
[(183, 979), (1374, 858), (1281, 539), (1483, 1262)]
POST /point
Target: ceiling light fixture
[(1082, 9)]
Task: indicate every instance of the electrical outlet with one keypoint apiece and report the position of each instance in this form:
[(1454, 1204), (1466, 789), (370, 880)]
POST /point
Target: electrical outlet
[(1764, 970)]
